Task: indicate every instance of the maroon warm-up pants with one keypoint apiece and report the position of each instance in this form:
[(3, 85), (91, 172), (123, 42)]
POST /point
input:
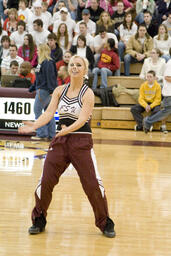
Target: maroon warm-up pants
[(78, 150)]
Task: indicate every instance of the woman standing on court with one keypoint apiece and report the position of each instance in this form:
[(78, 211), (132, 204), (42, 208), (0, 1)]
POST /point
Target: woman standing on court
[(72, 144), (45, 84)]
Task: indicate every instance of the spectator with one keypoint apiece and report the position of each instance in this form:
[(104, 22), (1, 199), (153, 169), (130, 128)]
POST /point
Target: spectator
[(72, 7), (162, 41), (108, 63), (3, 7), (166, 92), (105, 20), (118, 16), (17, 37), (81, 6), (126, 30), (138, 48), (155, 63), (2, 32), (65, 19), (144, 5), (28, 51), (14, 66), (4, 47), (47, 16), (10, 24), (112, 6), (10, 4), (82, 50), (149, 100), (167, 23), (63, 75), (91, 25), (89, 38), (25, 71), (101, 40), (102, 3), (39, 33), (5, 65), (56, 51), (151, 24), (95, 10), (64, 62), (24, 12), (163, 10), (57, 8), (63, 38), (45, 84)]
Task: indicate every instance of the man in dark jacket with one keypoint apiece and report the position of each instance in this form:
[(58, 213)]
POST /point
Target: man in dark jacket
[(56, 51), (151, 24)]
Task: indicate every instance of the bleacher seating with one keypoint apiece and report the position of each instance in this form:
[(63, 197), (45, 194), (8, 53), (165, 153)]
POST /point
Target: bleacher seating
[(119, 117)]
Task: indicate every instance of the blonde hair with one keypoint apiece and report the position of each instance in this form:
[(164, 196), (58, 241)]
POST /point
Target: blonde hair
[(166, 36), (44, 53), (110, 22), (85, 61), (13, 11)]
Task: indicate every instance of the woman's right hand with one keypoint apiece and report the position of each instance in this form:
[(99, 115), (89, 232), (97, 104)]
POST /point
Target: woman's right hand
[(28, 127)]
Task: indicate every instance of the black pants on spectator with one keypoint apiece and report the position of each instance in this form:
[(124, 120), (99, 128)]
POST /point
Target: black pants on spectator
[(137, 111)]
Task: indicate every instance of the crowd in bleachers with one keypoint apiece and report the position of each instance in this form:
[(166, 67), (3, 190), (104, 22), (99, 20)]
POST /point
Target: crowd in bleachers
[(137, 29)]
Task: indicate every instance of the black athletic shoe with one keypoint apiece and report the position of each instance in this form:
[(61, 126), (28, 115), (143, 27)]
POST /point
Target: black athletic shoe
[(137, 128), (38, 226), (109, 229)]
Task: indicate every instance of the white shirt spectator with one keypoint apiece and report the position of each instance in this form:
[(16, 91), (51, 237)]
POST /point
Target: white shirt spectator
[(57, 16), (91, 27), (4, 33), (7, 60), (70, 25), (48, 18), (163, 45), (89, 40), (34, 17), (18, 38), (40, 37), (98, 40), (24, 14), (125, 33)]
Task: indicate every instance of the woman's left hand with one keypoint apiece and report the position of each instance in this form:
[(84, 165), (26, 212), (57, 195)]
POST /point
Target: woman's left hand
[(62, 132)]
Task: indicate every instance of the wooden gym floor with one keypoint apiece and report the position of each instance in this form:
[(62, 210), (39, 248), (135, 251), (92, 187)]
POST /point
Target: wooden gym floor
[(136, 172)]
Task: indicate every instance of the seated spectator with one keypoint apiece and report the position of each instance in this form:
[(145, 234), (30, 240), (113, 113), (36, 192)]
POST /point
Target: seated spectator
[(144, 5), (155, 63), (37, 14), (138, 48), (162, 41), (64, 62), (5, 65), (126, 30), (63, 75), (91, 25), (105, 20), (46, 14), (101, 40), (65, 19), (3, 7), (167, 23), (63, 38), (17, 37), (24, 12), (57, 8), (72, 7), (118, 16), (95, 10), (166, 109), (39, 33), (2, 32), (151, 24), (4, 47), (56, 51), (108, 63), (112, 6), (28, 51), (14, 66), (81, 49), (81, 6), (89, 38), (102, 3), (25, 71), (10, 24), (163, 10), (149, 100)]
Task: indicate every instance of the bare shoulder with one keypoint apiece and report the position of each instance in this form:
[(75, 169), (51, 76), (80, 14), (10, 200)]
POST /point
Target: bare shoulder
[(57, 92), (89, 96)]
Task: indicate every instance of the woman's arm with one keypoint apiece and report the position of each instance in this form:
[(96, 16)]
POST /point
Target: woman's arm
[(46, 116), (87, 108)]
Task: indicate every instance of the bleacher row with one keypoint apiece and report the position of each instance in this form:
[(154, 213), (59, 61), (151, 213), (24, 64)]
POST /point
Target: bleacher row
[(121, 117)]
